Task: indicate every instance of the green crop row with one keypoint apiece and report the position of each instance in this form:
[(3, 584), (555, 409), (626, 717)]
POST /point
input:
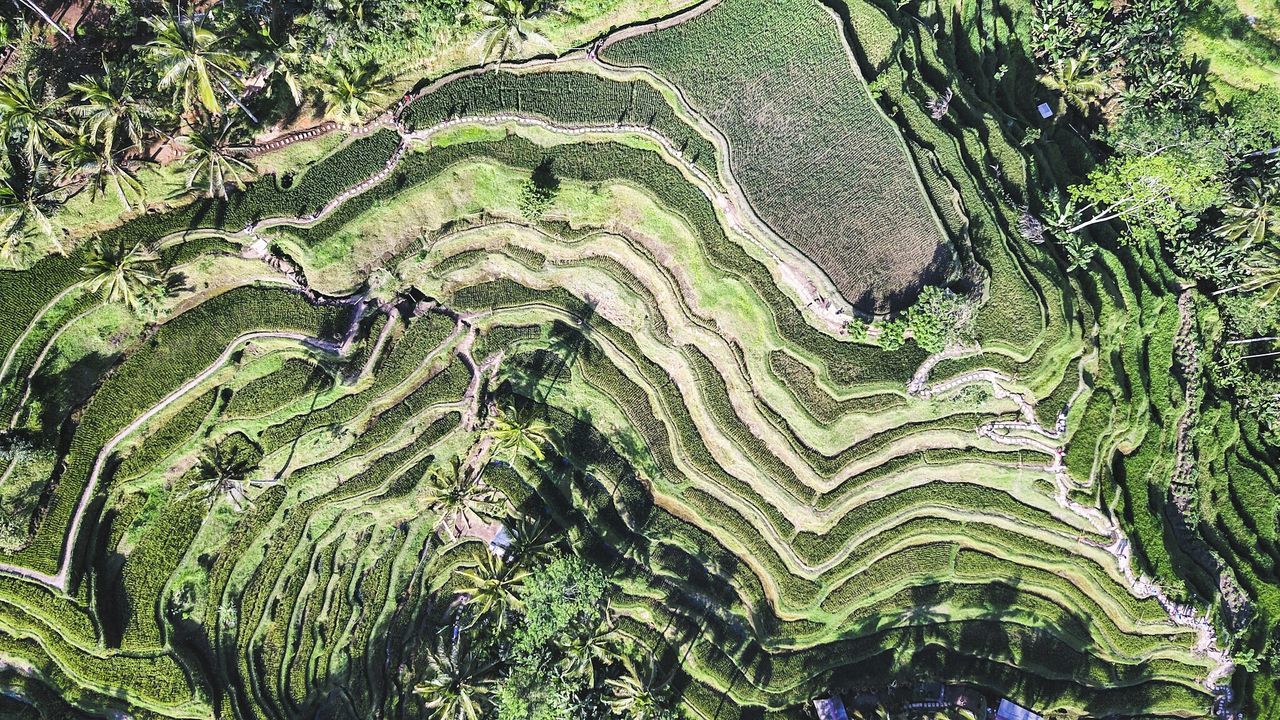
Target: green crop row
[(964, 497), (146, 569), (932, 560), (259, 589), (405, 355), (847, 363), (801, 382), (163, 440), (568, 98), (296, 379)]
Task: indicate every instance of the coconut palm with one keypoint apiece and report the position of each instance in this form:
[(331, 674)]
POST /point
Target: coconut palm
[(349, 90), (532, 540), (83, 157), (347, 12), (1256, 214), (453, 490), (521, 432), (634, 698), (1264, 271), (584, 648), (493, 586), (1078, 80), (29, 116), (187, 59), (876, 713), (223, 474), (111, 108), (214, 156), (279, 63), (457, 684), (28, 194), (126, 272), (505, 30)]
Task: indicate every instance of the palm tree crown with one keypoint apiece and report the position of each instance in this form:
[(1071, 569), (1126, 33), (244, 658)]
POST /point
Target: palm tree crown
[(1249, 221), (214, 157), (519, 431), (1264, 273), (452, 490), (187, 59), (110, 107), (224, 474), (493, 585), (505, 30), (82, 156), (28, 194), (1077, 79), (125, 272), (29, 115), (456, 687), (350, 90)]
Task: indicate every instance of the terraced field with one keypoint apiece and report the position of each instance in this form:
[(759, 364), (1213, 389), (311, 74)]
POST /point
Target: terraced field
[(815, 155), (780, 510)]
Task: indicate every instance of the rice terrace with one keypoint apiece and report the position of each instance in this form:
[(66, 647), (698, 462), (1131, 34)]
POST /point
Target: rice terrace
[(640, 359)]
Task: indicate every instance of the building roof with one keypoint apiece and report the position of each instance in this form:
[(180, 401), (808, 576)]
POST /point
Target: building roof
[(1013, 711), (831, 708)]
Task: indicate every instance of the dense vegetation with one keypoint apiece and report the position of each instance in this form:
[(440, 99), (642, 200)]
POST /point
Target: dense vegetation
[(733, 359)]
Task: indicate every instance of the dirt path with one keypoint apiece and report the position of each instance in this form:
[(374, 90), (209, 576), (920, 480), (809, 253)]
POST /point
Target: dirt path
[(13, 350), (59, 581), (1016, 433), (39, 361)]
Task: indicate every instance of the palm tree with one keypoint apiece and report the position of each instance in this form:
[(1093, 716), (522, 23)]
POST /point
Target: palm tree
[(1248, 221), (349, 90), (110, 107), (347, 12), (519, 431), (1078, 80), (453, 490), (585, 647), (636, 699), (1264, 267), (28, 194), (186, 58), (457, 686), (85, 157), (493, 586), (225, 475), (213, 156), (505, 30), (531, 540), (126, 272), (29, 116), (279, 62)]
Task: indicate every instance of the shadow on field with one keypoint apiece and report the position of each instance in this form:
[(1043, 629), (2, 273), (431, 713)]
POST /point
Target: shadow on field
[(939, 271)]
